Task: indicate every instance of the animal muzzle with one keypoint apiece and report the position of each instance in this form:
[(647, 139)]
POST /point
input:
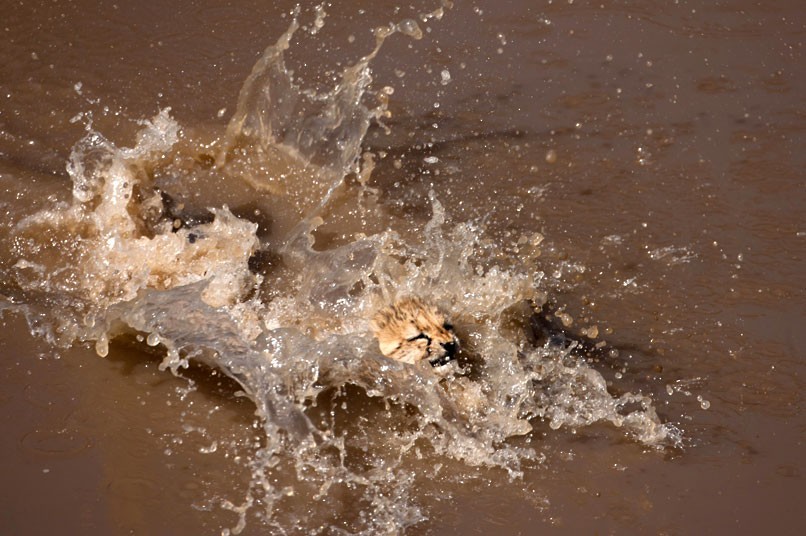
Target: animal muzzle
[(449, 350)]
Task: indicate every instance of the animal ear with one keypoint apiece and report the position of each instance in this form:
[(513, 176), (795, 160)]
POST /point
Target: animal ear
[(378, 322)]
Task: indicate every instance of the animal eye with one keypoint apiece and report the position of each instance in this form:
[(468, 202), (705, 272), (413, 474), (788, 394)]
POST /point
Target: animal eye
[(420, 336), (447, 326)]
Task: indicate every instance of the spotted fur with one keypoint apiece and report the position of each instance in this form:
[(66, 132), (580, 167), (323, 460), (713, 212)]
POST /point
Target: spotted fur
[(411, 330)]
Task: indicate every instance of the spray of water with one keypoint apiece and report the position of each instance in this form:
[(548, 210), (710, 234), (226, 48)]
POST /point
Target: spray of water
[(121, 257)]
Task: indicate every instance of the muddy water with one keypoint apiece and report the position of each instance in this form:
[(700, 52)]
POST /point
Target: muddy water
[(658, 149)]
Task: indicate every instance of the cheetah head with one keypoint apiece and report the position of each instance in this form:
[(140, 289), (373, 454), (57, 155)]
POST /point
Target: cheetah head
[(411, 330)]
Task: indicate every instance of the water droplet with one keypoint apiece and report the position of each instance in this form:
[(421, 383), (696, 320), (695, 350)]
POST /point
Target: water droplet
[(153, 339), (102, 346)]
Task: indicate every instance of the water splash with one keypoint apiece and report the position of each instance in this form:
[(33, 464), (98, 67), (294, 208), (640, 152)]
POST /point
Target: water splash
[(320, 132), (294, 335)]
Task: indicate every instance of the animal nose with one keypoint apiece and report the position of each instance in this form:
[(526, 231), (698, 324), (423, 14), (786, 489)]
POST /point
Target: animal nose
[(450, 349)]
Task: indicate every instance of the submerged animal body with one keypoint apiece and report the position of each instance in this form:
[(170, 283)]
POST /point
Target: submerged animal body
[(411, 331)]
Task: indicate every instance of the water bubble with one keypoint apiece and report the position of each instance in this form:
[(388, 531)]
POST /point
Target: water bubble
[(209, 450), (704, 404), (411, 28)]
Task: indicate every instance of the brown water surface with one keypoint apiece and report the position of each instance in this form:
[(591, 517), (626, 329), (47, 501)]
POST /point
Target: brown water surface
[(658, 147)]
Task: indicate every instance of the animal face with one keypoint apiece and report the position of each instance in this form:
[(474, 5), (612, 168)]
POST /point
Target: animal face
[(411, 330)]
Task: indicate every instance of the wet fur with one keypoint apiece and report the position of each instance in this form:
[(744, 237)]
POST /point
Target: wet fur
[(411, 330)]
